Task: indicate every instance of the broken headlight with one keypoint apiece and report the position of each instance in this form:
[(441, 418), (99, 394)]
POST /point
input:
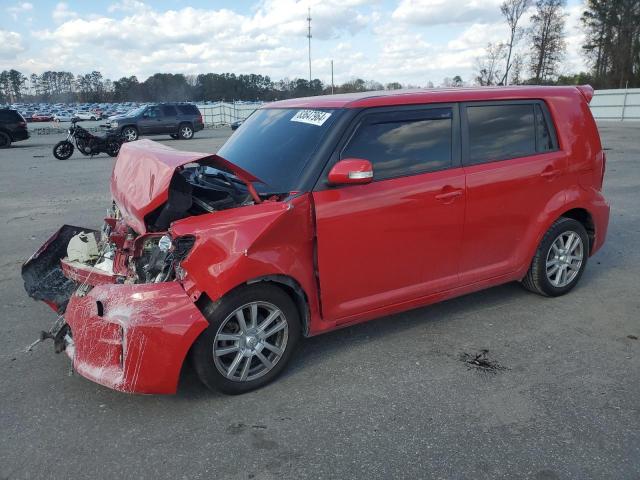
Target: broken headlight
[(161, 257)]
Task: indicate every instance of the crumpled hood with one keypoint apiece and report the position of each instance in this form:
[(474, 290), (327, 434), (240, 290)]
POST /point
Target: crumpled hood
[(143, 171)]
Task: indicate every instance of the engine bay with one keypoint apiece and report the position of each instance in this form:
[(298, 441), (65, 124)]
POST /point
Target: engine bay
[(196, 190)]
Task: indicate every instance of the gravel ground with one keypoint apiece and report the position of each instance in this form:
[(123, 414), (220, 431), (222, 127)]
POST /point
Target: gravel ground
[(392, 398)]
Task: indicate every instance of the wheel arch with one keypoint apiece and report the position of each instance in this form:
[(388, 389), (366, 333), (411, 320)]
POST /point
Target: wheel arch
[(583, 216)]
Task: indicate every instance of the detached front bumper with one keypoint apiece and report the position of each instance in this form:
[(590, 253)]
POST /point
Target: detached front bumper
[(133, 338), (129, 337)]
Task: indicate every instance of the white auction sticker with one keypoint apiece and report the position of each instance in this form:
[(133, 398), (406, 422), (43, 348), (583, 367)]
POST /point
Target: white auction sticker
[(312, 117)]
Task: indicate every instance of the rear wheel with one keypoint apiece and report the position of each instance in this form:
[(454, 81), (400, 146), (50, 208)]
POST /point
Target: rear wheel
[(63, 150), (5, 140), (130, 134), (185, 131), (113, 148), (560, 259), (251, 336)]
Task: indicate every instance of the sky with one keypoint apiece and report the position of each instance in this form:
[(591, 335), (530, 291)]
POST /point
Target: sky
[(410, 41)]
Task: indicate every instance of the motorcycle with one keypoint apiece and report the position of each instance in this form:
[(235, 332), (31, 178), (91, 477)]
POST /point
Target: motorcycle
[(87, 143)]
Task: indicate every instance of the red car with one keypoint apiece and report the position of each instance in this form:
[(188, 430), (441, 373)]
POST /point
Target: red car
[(317, 214), (41, 117)]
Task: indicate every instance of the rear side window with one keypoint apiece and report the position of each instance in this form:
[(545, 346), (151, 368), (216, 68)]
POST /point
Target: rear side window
[(545, 138), (404, 143), (169, 111), (188, 109), (500, 132)]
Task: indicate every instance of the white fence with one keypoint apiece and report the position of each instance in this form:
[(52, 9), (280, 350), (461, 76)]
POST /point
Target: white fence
[(224, 113), (621, 104)]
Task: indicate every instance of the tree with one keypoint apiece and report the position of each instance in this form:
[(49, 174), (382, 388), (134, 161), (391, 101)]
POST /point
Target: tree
[(512, 10), (457, 81), (488, 66), (393, 86), (516, 70), (612, 46), (547, 39)]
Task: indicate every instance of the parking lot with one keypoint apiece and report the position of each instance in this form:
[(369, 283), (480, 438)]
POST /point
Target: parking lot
[(392, 398)]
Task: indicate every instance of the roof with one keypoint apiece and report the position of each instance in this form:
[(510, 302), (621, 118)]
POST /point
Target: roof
[(439, 95)]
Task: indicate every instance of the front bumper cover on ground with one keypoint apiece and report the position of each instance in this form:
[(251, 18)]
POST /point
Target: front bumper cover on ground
[(129, 337), (133, 338)]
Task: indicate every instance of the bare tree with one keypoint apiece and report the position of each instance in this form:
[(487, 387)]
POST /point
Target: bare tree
[(488, 66), (547, 38), (512, 10), (516, 69)]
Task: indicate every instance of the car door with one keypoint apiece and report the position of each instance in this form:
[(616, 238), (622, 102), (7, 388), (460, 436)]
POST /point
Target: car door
[(169, 119), (513, 169), (397, 238), (151, 121)]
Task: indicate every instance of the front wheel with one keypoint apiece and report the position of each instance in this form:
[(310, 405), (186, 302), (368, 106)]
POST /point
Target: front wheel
[(63, 150), (251, 336), (560, 259), (130, 134), (185, 132)]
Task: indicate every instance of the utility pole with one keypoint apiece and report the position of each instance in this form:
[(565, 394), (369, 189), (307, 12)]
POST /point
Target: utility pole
[(331, 77), (309, 37)]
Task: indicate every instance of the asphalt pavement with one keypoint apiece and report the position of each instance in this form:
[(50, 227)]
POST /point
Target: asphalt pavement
[(392, 398)]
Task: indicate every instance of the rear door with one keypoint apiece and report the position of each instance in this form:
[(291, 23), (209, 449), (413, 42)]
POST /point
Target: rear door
[(514, 169), (395, 239), (169, 119)]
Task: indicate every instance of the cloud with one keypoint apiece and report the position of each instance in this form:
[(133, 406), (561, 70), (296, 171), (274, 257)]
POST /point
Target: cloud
[(446, 12), (11, 45), (20, 8), (62, 13)]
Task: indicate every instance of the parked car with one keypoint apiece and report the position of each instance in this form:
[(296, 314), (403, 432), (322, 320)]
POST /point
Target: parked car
[(235, 125), (179, 120), (13, 127), (62, 117), (85, 115), (41, 117), (317, 214)]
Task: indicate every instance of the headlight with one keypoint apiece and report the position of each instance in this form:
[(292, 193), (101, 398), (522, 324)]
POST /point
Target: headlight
[(113, 124), (164, 244)]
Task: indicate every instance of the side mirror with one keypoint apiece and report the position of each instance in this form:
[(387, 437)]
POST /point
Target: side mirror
[(351, 171)]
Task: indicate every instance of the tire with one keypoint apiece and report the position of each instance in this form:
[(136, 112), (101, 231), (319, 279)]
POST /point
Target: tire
[(174, 136), (113, 149), (5, 140), (63, 150), (185, 131), (248, 364), (93, 119), (130, 134), (559, 260)]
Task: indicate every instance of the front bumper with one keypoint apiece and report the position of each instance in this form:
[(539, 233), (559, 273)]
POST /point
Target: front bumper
[(133, 338)]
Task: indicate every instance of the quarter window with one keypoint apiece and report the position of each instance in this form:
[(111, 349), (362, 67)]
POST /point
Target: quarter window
[(500, 132), (404, 143), (545, 139)]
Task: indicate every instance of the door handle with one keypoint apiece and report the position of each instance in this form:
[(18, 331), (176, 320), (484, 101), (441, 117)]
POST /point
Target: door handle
[(550, 173), (449, 195)]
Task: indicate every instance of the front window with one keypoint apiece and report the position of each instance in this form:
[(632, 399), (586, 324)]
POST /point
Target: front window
[(275, 144)]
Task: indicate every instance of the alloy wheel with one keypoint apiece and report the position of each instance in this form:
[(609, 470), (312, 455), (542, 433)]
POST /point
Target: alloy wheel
[(250, 341), (130, 134), (564, 259), (186, 132)]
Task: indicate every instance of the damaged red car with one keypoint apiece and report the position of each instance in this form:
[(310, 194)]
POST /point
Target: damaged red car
[(316, 214)]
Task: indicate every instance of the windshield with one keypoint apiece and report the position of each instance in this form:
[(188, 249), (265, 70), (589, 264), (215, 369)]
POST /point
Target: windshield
[(275, 145), (135, 112)]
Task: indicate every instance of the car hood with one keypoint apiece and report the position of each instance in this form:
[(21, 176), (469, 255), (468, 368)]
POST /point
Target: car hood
[(143, 171)]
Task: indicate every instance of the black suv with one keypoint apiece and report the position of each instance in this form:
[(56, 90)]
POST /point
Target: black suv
[(13, 128), (179, 120)]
